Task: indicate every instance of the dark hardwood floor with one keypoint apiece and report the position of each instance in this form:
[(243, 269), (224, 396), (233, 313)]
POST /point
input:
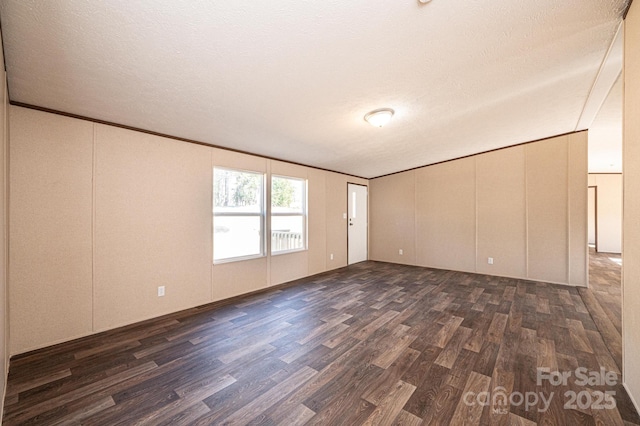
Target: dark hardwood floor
[(374, 343)]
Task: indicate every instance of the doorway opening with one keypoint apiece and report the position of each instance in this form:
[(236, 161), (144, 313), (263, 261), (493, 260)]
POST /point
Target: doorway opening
[(603, 297), (593, 217)]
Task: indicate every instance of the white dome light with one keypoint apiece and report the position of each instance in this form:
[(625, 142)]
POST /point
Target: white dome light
[(379, 117)]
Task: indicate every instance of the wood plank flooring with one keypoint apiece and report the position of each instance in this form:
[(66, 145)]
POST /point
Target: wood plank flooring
[(604, 299), (374, 344)]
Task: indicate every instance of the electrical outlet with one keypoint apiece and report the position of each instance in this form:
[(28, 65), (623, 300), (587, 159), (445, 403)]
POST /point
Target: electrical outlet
[(331, 256), (400, 252), (490, 261), (161, 291)]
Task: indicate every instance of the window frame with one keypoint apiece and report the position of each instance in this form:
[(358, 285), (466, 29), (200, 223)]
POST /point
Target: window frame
[(262, 215), (304, 214)]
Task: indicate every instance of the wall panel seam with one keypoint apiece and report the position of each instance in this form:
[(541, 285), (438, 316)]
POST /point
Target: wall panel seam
[(526, 212), (5, 240), (93, 227), (624, 156), (585, 216), (568, 212), (415, 217), (7, 186), (475, 174), (7, 189), (324, 220)]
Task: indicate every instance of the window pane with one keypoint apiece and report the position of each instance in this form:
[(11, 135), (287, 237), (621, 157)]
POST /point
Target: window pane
[(237, 192), (236, 236), (287, 233), (287, 195)]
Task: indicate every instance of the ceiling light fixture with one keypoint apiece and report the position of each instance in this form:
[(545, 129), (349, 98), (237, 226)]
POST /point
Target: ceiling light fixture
[(379, 117)]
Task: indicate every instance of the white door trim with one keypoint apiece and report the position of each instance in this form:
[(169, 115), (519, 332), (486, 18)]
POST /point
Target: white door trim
[(360, 254)]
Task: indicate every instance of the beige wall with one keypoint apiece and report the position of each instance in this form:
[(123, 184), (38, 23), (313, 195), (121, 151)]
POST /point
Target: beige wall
[(502, 224), (525, 207), (102, 216), (547, 210), (393, 201), (152, 226), (4, 305), (317, 226), (50, 244), (631, 224), (577, 215), (445, 215), (609, 211), (336, 210)]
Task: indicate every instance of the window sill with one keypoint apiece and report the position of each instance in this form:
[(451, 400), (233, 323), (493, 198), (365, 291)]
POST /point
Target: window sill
[(238, 259), (278, 253)]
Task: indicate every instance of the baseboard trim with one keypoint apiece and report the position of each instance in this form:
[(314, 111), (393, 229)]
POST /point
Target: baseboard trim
[(484, 273), (633, 400), (209, 305), (4, 389)]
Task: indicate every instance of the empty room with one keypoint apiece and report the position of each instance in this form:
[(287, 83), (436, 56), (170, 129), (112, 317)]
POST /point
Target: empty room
[(336, 213)]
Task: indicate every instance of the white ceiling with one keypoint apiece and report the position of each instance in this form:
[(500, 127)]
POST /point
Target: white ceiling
[(292, 79)]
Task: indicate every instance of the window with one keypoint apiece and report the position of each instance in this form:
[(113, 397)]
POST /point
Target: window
[(238, 214), (288, 214)]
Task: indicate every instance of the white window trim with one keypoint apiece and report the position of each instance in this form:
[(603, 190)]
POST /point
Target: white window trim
[(262, 215), (304, 214)]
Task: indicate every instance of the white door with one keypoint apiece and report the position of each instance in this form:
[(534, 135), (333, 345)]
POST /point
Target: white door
[(358, 223)]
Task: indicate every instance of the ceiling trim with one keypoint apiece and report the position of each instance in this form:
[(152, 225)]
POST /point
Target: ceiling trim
[(250, 147), (163, 135), (4, 57), (4, 61), (624, 15), (608, 73), (150, 132), (480, 153)]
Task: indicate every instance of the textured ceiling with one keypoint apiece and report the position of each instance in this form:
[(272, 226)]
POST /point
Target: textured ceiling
[(292, 79)]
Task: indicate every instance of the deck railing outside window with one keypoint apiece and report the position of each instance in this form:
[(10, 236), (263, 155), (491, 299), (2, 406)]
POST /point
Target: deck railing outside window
[(284, 240)]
